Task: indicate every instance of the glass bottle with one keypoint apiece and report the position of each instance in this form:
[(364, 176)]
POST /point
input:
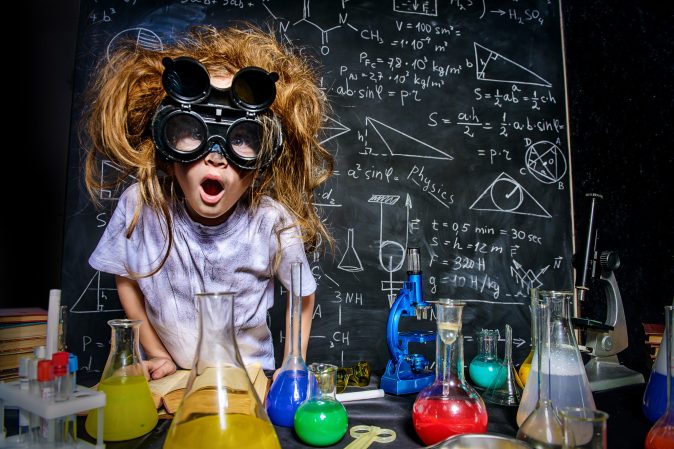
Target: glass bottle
[(655, 395), (321, 420), (220, 408), (525, 366), (564, 373), (129, 409), (661, 435), (509, 391), (449, 406), (289, 389), (484, 369)]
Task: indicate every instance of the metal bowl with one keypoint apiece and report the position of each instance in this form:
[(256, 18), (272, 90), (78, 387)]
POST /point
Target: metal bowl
[(480, 441)]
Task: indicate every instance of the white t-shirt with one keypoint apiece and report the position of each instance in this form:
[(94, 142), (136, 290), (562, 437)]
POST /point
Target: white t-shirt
[(234, 256)]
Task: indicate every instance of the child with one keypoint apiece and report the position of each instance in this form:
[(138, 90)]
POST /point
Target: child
[(224, 180)]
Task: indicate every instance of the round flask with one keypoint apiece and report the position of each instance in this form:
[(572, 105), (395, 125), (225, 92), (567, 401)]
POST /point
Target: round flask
[(655, 395), (321, 420), (129, 409), (289, 389), (661, 435), (449, 406), (485, 368), (220, 408)]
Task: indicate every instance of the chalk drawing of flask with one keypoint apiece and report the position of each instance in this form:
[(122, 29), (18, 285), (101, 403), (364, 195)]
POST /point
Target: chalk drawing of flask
[(350, 261)]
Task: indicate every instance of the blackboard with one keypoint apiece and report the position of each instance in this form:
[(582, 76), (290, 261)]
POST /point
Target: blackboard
[(449, 128)]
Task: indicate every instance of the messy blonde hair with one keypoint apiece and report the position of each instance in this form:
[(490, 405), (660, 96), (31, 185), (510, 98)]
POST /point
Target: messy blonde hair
[(127, 90)]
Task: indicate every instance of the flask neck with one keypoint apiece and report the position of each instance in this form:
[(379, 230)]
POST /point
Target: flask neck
[(449, 344), (295, 311), (217, 345), (322, 382), (487, 344), (124, 358)]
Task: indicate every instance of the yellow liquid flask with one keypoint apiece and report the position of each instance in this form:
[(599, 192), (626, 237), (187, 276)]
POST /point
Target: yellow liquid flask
[(129, 409), (220, 408)]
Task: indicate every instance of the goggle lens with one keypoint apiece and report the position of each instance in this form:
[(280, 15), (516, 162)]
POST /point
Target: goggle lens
[(184, 133), (245, 139)]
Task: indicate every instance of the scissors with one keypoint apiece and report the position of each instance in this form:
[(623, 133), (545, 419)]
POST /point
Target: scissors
[(366, 435)]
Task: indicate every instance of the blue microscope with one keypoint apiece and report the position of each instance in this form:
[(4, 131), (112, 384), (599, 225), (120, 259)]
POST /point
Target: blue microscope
[(407, 373)]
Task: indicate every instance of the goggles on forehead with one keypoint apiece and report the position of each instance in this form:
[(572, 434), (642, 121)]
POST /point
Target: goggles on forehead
[(196, 118)]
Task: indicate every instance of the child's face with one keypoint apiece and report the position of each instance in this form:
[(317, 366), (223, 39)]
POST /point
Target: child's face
[(211, 185)]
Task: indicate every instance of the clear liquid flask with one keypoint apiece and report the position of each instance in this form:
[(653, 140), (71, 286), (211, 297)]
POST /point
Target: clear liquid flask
[(289, 389), (661, 435), (655, 395), (506, 392), (129, 409), (449, 406), (525, 366), (220, 408), (485, 368), (321, 420)]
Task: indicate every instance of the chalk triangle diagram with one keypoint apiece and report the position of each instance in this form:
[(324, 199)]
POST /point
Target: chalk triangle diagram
[(98, 296), (491, 66), (111, 171), (331, 129), (408, 146), (505, 194), (546, 162)]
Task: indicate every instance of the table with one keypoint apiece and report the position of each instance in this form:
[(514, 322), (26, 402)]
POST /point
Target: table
[(627, 425)]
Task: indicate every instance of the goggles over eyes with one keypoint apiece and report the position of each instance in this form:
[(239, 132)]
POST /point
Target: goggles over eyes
[(196, 118)]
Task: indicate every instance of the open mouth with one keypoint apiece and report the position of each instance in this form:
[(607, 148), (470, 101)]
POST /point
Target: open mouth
[(211, 187)]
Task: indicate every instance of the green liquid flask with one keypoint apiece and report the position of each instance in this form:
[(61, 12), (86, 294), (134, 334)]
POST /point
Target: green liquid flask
[(321, 420), (129, 409)]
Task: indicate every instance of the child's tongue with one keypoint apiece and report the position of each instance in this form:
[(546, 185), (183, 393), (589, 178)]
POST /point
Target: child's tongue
[(211, 187)]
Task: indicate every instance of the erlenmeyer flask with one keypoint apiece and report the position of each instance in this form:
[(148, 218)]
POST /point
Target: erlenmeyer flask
[(509, 391), (289, 389), (321, 420), (655, 395), (564, 373), (449, 406), (129, 409), (220, 408), (539, 424), (525, 366), (661, 435), (484, 369)]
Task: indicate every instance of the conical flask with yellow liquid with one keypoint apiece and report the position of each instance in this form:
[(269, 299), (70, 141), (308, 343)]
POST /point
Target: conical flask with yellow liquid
[(129, 409), (220, 408)]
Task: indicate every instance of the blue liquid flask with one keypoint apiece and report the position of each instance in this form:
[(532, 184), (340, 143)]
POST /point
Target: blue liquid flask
[(655, 395), (289, 389)]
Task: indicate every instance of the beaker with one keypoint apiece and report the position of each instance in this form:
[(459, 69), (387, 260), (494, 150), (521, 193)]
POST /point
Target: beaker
[(563, 373), (655, 395), (449, 406), (289, 389), (661, 435), (485, 367), (509, 391), (525, 366), (129, 409), (583, 428), (220, 408), (321, 420)]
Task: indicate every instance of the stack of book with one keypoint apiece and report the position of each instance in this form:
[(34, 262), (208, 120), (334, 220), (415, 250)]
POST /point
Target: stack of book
[(653, 333), (21, 330)]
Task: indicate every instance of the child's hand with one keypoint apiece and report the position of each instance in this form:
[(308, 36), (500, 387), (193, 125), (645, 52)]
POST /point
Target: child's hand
[(159, 367)]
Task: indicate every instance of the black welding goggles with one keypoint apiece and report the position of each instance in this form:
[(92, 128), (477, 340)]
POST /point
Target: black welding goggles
[(196, 118)]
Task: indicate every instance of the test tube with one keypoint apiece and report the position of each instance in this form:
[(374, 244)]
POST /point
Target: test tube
[(24, 385), (45, 379), (62, 385), (72, 369)]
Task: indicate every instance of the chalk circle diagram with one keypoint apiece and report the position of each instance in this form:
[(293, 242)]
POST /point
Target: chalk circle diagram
[(491, 66), (546, 162), (405, 145), (331, 129), (505, 194), (143, 37)]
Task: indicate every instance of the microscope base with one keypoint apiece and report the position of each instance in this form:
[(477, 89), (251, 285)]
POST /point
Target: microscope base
[(605, 373)]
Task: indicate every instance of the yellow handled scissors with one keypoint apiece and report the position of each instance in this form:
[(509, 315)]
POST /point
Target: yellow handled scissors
[(366, 435)]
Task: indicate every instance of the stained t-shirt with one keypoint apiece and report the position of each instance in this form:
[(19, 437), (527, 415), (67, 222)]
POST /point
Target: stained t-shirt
[(235, 256)]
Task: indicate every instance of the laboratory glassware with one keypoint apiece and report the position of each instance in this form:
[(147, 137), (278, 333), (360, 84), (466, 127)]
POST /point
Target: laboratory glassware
[(563, 372), (449, 406), (655, 395), (540, 426), (129, 409), (661, 435), (321, 420), (583, 428), (525, 366), (484, 369), (220, 408), (509, 391), (289, 389)]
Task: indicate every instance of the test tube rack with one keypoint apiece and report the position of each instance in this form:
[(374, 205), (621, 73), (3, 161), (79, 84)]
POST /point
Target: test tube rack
[(81, 400)]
